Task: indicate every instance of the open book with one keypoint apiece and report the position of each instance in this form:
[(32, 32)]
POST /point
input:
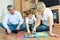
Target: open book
[(36, 35)]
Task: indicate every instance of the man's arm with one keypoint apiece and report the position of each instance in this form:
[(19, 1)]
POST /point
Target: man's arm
[(21, 20), (4, 22)]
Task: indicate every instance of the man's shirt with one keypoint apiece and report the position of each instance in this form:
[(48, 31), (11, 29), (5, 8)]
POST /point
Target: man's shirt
[(14, 19)]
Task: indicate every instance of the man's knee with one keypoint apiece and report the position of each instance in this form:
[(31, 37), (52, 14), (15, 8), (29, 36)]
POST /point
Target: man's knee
[(0, 24), (22, 27)]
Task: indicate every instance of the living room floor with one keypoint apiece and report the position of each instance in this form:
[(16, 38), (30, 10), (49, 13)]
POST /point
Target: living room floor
[(4, 36)]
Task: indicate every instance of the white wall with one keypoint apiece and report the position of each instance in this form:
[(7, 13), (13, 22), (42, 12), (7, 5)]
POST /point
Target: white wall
[(3, 8)]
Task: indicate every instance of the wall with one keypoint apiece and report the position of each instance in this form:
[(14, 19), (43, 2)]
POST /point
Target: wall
[(3, 8), (18, 5)]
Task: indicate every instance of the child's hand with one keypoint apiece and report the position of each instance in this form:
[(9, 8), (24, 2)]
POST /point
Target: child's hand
[(28, 32), (53, 35)]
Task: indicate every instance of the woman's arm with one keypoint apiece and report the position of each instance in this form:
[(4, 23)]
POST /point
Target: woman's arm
[(37, 23), (36, 1), (50, 18), (50, 24), (51, 31)]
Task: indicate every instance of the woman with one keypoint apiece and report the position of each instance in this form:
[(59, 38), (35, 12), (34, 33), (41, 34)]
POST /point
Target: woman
[(45, 15)]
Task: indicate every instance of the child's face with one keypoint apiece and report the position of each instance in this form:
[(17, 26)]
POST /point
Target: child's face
[(30, 16)]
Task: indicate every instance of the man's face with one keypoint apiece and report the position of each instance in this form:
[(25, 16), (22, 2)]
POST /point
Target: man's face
[(11, 10)]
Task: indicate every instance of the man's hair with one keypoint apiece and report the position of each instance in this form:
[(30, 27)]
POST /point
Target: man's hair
[(28, 12), (9, 6)]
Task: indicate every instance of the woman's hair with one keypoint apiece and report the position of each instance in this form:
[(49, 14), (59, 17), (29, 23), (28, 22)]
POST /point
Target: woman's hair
[(28, 12), (41, 6)]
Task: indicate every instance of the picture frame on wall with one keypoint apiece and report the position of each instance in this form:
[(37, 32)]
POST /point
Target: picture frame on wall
[(55, 15)]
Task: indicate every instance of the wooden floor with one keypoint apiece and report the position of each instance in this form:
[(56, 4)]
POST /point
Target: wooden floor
[(3, 36)]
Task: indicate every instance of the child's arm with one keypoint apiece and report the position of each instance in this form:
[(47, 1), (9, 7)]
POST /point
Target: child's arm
[(27, 26)]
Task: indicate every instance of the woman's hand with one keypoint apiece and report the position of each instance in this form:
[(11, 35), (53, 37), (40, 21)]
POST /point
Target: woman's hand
[(53, 35), (34, 30)]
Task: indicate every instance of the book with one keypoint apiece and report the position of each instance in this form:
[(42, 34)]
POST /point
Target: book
[(36, 35), (41, 34)]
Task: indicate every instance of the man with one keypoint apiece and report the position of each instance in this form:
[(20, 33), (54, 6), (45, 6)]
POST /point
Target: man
[(13, 21)]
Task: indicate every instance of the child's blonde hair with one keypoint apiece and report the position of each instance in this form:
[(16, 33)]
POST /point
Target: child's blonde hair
[(41, 6)]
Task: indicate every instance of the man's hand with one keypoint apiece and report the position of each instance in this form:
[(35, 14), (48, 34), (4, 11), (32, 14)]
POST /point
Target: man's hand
[(18, 28), (8, 31)]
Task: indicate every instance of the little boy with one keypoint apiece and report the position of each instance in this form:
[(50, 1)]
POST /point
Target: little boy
[(30, 21)]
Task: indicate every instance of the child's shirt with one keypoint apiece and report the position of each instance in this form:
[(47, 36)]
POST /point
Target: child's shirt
[(31, 21)]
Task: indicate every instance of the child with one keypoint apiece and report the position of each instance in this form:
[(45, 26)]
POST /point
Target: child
[(30, 22)]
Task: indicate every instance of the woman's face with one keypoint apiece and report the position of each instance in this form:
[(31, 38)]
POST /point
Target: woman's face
[(40, 11)]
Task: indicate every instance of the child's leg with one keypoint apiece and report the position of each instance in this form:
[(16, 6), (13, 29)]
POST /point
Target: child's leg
[(42, 27), (31, 26)]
